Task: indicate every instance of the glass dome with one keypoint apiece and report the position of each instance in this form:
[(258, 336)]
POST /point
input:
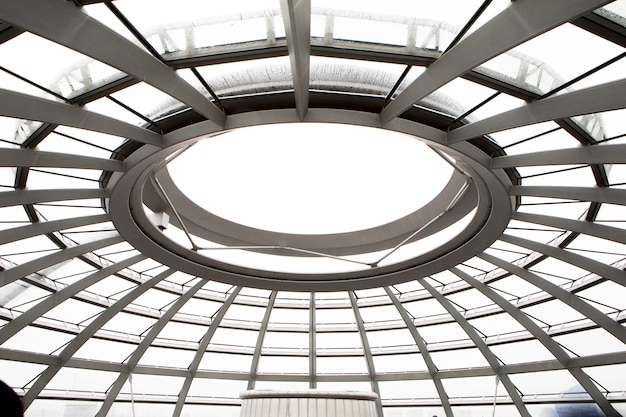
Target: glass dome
[(501, 291)]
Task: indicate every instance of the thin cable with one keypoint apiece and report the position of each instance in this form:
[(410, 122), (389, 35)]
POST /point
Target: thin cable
[(194, 247), (456, 198), (288, 248)]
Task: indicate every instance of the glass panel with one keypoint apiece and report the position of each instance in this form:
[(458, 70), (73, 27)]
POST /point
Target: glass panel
[(353, 76), (341, 365), (537, 233), (411, 362), (244, 77), (496, 325), (286, 340), (390, 338), (84, 380), (19, 374), (141, 409), (74, 311), (567, 209), (105, 350), (481, 411), (430, 26), (204, 388), (65, 408), (171, 358), (481, 386), (546, 62), (346, 340), (590, 342), (66, 72), (156, 385), (457, 97), (521, 352), (283, 364), (547, 382), (201, 410), (601, 250), (234, 337), (214, 361), (459, 358), (562, 175), (68, 209), (416, 389), (48, 341), (129, 324), (148, 101), (500, 104), (191, 25)]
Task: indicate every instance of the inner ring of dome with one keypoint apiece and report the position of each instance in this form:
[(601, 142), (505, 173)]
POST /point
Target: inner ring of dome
[(310, 178)]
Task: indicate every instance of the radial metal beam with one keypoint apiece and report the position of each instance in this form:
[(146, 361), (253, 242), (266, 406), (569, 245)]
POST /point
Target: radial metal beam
[(597, 154), (423, 348), (491, 358), (367, 351), (588, 228), (204, 343), (41, 308), (259, 342), (312, 342), (297, 19), (521, 21), (41, 228), (588, 264), (77, 342), (144, 345), (24, 106), (549, 343), (586, 309), (19, 197), (20, 271), (33, 158), (599, 98), (597, 194), (70, 27)]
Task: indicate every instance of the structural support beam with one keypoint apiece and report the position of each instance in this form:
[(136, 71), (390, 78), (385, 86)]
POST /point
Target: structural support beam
[(600, 98), (32, 158), (599, 195), (521, 21), (549, 343), (598, 154), (41, 308), (19, 197), (312, 342), (204, 344), (24, 106), (41, 228), (144, 345), (421, 344), (481, 345), (588, 228), (588, 264), (586, 309), (70, 27), (68, 352), (259, 342), (297, 18), (367, 351), (20, 271)]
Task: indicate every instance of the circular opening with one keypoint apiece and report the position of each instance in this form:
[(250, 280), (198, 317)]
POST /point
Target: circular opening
[(310, 178)]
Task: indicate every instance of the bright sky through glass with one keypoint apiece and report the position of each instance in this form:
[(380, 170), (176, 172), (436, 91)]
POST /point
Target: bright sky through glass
[(310, 178)]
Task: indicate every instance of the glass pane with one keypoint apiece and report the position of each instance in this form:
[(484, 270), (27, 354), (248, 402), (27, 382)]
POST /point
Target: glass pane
[(66, 72)]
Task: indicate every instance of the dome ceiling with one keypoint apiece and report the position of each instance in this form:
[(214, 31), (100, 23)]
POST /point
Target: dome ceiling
[(501, 290)]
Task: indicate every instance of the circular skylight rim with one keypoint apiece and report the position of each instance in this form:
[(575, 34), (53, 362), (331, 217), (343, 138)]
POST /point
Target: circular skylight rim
[(492, 213)]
